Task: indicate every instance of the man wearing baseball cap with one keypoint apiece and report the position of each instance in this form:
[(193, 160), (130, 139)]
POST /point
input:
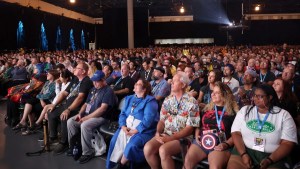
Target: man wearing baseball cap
[(160, 87), (245, 92), (92, 114)]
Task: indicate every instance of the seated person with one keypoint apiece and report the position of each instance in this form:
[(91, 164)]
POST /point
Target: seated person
[(160, 87), (263, 134), (69, 101), (34, 106), (20, 93), (19, 75), (178, 117), (91, 115), (205, 92), (137, 122), (123, 85), (61, 84), (217, 119)]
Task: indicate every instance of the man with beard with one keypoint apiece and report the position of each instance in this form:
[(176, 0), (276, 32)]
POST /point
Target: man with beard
[(245, 92), (196, 84), (160, 87), (231, 82)]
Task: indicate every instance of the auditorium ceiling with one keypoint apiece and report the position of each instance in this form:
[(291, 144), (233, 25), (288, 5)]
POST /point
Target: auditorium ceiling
[(95, 8)]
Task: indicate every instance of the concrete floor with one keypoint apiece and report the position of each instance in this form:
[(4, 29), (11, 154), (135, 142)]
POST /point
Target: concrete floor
[(13, 148)]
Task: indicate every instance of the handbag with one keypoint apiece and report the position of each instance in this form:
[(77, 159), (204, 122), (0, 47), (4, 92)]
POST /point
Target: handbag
[(209, 141)]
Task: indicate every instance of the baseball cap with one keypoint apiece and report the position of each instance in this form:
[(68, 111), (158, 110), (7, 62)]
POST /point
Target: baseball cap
[(161, 69), (251, 72), (98, 75)]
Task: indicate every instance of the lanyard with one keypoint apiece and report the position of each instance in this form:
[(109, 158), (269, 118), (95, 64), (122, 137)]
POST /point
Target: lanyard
[(94, 95), (177, 103), (217, 117), (147, 74), (135, 103), (260, 124), (262, 77), (119, 80)]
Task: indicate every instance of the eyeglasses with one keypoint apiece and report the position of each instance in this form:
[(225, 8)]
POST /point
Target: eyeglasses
[(256, 96)]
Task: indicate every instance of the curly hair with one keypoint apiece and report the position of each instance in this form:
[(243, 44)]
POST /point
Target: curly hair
[(273, 101), (229, 101)]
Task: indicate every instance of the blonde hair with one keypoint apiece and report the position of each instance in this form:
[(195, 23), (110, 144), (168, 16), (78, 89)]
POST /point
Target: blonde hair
[(230, 104)]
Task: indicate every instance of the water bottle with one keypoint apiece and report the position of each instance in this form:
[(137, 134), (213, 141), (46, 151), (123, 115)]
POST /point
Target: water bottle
[(75, 149)]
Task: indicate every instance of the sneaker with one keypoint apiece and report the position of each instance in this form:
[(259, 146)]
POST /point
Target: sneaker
[(60, 148), (85, 158)]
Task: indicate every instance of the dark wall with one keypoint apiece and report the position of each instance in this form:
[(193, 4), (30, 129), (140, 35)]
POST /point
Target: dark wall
[(32, 19), (114, 33), (273, 32)]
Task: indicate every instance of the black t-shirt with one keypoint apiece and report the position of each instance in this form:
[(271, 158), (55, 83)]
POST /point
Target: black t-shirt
[(77, 87), (123, 83), (196, 85), (269, 76), (206, 94), (209, 122)]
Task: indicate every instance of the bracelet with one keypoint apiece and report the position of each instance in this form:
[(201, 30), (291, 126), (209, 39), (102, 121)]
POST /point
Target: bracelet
[(228, 146), (268, 158), (243, 154), (69, 109)]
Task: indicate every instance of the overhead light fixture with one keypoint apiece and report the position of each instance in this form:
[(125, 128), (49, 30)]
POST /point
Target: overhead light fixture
[(257, 8), (72, 1), (182, 10)]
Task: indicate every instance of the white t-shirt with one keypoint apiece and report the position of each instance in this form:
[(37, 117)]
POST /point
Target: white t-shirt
[(59, 90), (277, 126), (233, 84)]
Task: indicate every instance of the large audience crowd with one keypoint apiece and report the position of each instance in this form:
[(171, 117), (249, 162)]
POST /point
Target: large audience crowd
[(236, 107)]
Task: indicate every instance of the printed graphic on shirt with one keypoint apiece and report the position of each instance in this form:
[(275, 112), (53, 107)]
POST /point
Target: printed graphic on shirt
[(267, 128)]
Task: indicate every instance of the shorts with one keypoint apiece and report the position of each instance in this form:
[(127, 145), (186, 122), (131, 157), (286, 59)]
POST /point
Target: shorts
[(257, 157)]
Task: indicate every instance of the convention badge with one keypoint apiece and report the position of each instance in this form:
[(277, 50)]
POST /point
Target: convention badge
[(259, 143), (129, 121), (88, 108), (222, 136)]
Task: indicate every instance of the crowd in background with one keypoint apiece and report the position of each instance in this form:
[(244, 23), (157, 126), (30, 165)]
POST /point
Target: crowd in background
[(191, 85)]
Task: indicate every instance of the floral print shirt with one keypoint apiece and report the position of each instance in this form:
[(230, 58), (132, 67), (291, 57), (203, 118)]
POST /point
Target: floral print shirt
[(178, 114)]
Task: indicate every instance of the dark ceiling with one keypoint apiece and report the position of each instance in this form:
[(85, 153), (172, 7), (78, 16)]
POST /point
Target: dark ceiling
[(95, 8)]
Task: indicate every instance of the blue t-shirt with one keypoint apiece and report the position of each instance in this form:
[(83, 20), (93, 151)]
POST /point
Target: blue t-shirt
[(98, 96)]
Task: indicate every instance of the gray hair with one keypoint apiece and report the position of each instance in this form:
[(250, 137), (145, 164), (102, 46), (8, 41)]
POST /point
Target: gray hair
[(183, 78)]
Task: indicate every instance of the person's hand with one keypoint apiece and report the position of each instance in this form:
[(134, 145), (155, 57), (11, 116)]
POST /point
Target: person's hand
[(58, 81), (81, 120), (221, 147), (132, 132), (264, 163), (163, 138), (51, 107), (125, 129), (64, 115), (247, 161), (78, 117), (202, 105), (197, 138)]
